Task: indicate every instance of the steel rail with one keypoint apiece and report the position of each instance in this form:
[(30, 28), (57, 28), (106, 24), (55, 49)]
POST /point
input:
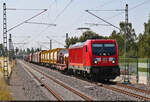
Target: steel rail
[(134, 88), (65, 86), (119, 90), (49, 89), (125, 92)]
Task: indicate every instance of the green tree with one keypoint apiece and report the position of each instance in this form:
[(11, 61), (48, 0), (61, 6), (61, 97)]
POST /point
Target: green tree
[(144, 42), (85, 36), (130, 37), (71, 41), (120, 41), (1, 50), (28, 51), (32, 50), (89, 35)]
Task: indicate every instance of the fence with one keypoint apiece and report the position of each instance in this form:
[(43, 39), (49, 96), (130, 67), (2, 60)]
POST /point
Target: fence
[(135, 70)]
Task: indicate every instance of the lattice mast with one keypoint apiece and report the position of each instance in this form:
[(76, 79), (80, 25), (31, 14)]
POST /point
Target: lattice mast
[(5, 61)]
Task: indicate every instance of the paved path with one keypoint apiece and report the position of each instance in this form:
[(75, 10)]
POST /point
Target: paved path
[(1, 74), (16, 87)]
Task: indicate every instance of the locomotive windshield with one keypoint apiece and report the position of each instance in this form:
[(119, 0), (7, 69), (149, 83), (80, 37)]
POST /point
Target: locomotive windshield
[(103, 49)]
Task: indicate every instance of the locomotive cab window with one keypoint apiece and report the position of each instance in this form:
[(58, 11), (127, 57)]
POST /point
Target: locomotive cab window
[(104, 49)]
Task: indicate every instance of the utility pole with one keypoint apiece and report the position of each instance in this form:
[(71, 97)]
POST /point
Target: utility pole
[(50, 44), (126, 31), (5, 62), (10, 49), (126, 78), (67, 39)]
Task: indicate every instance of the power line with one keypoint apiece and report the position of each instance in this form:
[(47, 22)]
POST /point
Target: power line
[(56, 16), (96, 24), (129, 9), (109, 10), (146, 1), (50, 8), (25, 9), (27, 20), (63, 10), (139, 4), (102, 19), (42, 45), (21, 36), (41, 23), (56, 41)]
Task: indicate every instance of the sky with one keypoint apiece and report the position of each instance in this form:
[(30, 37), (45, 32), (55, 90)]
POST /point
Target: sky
[(68, 15)]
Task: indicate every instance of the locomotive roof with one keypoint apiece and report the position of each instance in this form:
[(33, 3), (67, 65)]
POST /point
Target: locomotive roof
[(80, 44)]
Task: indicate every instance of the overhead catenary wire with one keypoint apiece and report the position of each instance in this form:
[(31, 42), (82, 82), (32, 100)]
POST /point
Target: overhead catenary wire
[(63, 10), (43, 30), (27, 20), (42, 45), (109, 10), (96, 24), (140, 4), (124, 9), (56, 41), (56, 19), (25, 9), (102, 19), (41, 23), (130, 9)]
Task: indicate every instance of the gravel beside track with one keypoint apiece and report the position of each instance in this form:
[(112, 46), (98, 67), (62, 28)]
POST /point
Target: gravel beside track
[(59, 90), (24, 87), (96, 92)]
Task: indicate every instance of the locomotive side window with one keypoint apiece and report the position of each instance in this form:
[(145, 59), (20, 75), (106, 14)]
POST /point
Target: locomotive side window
[(104, 49)]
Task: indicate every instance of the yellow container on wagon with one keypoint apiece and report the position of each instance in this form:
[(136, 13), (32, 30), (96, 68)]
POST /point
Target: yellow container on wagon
[(53, 54), (43, 60)]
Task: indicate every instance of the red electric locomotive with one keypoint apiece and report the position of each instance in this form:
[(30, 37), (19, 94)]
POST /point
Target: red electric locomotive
[(98, 58)]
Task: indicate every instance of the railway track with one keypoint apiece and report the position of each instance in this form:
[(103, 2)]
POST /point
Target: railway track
[(131, 94), (133, 88), (86, 98), (125, 92)]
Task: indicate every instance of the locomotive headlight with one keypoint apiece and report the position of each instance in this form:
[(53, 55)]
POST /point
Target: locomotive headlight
[(112, 59), (95, 60)]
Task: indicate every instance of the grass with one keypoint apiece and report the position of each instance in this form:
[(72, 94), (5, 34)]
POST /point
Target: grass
[(133, 60), (4, 91), (142, 69)]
